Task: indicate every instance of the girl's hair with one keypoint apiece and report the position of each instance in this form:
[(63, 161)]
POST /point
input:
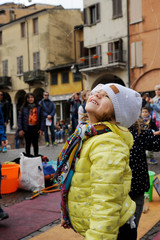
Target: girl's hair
[(25, 103), (146, 108), (140, 125)]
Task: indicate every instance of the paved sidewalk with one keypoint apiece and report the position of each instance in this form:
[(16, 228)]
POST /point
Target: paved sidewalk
[(52, 153)]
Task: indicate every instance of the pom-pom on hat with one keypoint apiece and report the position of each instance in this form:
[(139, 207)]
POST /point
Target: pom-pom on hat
[(127, 103)]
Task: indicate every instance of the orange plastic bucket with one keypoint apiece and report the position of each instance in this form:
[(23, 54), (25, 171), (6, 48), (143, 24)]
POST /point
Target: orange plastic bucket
[(9, 182)]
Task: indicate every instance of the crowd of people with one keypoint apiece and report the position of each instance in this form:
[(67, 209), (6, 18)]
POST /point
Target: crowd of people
[(112, 128)]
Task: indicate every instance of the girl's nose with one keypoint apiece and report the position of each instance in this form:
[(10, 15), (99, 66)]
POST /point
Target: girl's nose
[(98, 94)]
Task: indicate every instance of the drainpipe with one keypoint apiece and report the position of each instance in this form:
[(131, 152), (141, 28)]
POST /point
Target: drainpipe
[(75, 55), (128, 54), (28, 49)]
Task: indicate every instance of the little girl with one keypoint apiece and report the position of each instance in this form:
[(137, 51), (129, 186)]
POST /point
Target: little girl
[(31, 123), (94, 167)]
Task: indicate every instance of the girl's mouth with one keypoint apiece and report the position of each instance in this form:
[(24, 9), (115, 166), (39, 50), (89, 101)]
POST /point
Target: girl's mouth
[(93, 101)]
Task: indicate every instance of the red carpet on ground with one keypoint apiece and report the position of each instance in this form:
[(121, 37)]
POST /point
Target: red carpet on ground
[(30, 215), (157, 237)]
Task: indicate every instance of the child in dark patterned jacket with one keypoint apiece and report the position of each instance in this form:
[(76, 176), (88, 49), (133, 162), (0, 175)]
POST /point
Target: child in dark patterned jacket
[(146, 116), (144, 139)]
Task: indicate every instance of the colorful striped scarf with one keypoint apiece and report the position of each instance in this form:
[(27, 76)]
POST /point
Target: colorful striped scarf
[(68, 157)]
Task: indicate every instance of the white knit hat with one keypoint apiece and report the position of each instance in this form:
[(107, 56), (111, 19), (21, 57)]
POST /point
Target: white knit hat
[(127, 103)]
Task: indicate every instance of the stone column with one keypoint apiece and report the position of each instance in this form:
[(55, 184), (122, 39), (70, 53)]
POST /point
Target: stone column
[(14, 116)]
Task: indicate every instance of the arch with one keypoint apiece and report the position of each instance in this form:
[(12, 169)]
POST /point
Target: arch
[(147, 81), (19, 99), (108, 78), (38, 92)]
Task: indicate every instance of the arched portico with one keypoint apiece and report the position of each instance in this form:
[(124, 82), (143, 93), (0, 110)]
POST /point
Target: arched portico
[(108, 78)]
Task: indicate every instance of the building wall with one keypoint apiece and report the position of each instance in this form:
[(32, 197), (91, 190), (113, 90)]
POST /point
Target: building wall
[(105, 31), (18, 11), (147, 31), (54, 42)]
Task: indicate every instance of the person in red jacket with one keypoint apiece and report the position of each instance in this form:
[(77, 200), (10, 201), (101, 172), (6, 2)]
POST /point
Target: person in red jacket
[(31, 123)]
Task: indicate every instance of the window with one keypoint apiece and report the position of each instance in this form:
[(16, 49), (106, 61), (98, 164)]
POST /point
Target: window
[(77, 77), (91, 14), (23, 30), (5, 68), (136, 54), (12, 15), (35, 26), (135, 11), (117, 8), (36, 61), (54, 78), (95, 56), (65, 77), (19, 65), (0, 37), (115, 51)]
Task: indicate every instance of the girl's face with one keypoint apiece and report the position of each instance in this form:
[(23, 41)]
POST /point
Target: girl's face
[(30, 99), (99, 107)]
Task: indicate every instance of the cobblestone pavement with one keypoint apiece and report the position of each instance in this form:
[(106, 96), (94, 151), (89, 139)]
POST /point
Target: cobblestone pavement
[(52, 153)]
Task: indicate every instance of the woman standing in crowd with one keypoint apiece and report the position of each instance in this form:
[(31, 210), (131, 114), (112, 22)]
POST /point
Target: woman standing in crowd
[(31, 123)]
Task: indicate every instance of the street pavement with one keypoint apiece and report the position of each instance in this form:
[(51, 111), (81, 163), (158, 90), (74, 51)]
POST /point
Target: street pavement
[(52, 153)]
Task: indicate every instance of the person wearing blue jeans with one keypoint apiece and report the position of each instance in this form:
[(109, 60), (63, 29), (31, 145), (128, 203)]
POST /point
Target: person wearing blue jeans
[(49, 111), (3, 139)]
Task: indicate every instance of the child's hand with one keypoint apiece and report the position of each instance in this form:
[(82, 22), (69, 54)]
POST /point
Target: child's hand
[(4, 143), (157, 133), (64, 224), (40, 132), (21, 133)]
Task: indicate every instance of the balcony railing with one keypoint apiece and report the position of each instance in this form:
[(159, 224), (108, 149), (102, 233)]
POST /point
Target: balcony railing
[(116, 56), (36, 76), (5, 82), (90, 61)]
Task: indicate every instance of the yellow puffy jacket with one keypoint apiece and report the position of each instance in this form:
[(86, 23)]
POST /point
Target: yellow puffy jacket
[(98, 199)]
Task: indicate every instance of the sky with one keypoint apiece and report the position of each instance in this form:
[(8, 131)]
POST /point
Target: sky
[(64, 3)]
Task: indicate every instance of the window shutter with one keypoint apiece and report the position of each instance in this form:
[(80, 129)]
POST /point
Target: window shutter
[(133, 54), (82, 49), (117, 8), (17, 65), (110, 50), (38, 61), (99, 54), (5, 68), (135, 11), (85, 16), (0, 37), (120, 45), (139, 60), (21, 69), (34, 61), (97, 12)]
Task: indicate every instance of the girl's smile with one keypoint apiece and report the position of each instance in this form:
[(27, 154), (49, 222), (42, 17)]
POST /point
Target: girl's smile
[(99, 107)]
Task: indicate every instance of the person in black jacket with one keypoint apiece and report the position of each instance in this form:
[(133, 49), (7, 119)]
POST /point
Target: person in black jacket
[(74, 102), (31, 123), (144, 139), (146, 116), (49, 111)]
